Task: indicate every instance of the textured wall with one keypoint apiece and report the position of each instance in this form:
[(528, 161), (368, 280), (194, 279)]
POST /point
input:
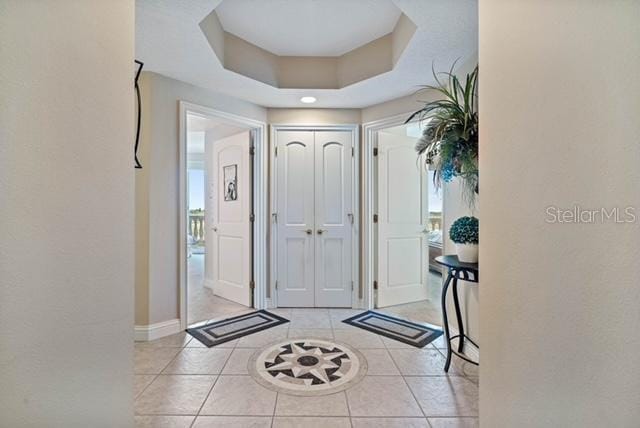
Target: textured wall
[(66, 210), (559, 108), (158, 290)]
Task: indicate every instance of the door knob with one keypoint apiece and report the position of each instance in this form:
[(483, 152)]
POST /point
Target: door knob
[(320, 231), (308, 231)]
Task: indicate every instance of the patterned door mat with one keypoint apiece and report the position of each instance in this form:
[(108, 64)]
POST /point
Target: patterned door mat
[(218, 332), (394, 328)]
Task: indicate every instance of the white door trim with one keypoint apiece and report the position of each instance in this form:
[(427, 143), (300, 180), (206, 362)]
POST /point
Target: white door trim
[(354, 128), (260, 201), (369, 141)]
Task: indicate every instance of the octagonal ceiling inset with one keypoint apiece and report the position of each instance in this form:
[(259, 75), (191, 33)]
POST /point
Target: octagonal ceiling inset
[(308, 44)]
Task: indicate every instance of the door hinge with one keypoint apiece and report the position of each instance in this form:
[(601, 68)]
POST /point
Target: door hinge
[(252, 217), (375, 285), (375, 151), (252, 151), (375, 218), (351, 285), (276, 285), (252, 284), (353, 151), (274, 217), (275, 151)]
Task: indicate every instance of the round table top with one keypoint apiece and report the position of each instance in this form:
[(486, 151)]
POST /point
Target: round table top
[(451, 260)]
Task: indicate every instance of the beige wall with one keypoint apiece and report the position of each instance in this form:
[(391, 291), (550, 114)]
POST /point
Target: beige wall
[(67, 186), (313, 116), (559, 111), (158, 182)]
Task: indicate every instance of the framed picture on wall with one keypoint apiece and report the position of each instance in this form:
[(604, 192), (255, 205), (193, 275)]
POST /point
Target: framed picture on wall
[(230, 182)]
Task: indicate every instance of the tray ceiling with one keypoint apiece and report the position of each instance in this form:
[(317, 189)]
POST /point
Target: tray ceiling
[(178, 39), (308, 27)]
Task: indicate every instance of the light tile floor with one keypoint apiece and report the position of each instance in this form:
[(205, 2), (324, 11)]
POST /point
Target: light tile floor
[(202, 304), (181, 383)]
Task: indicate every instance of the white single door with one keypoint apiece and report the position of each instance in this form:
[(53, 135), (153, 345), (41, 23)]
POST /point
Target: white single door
[(231, 225), (295, 218), (402, 219), (333, 219)]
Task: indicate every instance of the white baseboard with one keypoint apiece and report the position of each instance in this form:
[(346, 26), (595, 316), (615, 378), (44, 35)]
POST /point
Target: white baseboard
[(208, 283), (145, 333)]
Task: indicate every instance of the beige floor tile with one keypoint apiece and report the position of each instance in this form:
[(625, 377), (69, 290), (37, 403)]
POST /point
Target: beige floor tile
[(420, 362), (298, 422), (325, 405), (140, 382), (151, 360), (337, 315), (379, 362), (178, 340), (195, 343), (322, 333), (237, 362), (262, 338), (358, 338), (440, 342), (396, 344), (203, 304), (445, 395), (198, 361), (174, 395), (163, 421), (389, 423), (281, 312), (310, 318), (232, 422), (382, 396), (239, 395), (454, 422), (464, 367)]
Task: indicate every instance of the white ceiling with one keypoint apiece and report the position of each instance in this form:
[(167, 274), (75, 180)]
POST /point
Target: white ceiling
[(308, 27), (170, 42)]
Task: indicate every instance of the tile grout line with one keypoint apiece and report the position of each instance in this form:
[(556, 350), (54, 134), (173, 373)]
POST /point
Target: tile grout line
[(205, 400), (408, 387)]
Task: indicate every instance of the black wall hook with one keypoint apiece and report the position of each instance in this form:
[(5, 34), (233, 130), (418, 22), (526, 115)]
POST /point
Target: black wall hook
[(135, 149)]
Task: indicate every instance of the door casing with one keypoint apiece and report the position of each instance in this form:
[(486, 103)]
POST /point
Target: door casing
[(260, 162), (272, 299), (369, 142)]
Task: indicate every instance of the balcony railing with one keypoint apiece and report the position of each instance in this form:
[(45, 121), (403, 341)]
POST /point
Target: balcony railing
[(196, 227)]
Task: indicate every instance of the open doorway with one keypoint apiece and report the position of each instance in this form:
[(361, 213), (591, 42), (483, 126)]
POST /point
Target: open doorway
[(217, 231), (407, 227)]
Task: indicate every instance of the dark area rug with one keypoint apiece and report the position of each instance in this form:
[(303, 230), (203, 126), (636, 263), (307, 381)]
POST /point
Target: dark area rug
[(222, 331), (403, 331)]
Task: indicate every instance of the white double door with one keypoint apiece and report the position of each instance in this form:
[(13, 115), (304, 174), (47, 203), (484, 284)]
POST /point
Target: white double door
[(314, 218), (402, 222)]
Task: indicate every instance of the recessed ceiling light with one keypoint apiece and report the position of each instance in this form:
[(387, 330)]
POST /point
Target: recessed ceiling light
[(308, 100)]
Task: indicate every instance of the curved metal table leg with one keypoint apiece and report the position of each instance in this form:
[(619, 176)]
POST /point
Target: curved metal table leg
[(445, 321), (456, 303)]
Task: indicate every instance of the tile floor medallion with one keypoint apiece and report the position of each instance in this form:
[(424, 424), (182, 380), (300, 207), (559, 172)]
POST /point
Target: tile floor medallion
[(307, 367)]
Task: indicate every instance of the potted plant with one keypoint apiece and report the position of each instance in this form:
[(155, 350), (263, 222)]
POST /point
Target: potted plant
[(464, 233), (450, 137)]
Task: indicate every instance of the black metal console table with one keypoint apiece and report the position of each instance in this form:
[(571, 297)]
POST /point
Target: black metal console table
[(466, 272)]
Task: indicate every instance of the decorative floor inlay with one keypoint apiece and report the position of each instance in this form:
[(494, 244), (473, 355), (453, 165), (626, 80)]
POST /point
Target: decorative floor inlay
[(307, 366)]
